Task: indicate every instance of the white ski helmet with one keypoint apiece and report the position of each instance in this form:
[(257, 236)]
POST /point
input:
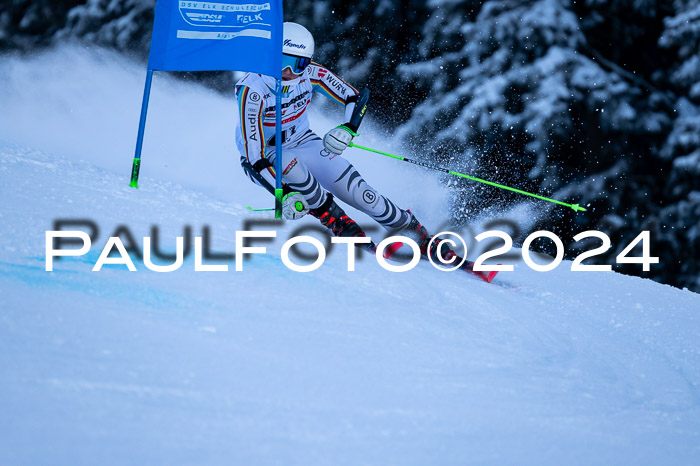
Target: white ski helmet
[(297, 41)]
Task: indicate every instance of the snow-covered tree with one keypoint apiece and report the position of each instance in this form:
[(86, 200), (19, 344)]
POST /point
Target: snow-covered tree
[(520, 100), (679, 219), (682, 35), (121, 24)]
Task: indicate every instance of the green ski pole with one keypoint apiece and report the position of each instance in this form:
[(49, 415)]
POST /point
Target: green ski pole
[(576, 207)]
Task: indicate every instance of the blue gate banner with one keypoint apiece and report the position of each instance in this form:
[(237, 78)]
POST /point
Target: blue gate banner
[(241, 35)]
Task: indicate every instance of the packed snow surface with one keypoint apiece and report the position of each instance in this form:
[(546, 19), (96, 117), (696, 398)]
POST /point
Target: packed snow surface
[(271, 366)]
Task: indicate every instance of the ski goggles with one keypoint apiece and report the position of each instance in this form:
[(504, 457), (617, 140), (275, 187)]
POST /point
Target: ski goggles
[(296, 64)]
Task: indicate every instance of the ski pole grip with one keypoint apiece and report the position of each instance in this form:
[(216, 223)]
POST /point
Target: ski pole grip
[(360, 109)]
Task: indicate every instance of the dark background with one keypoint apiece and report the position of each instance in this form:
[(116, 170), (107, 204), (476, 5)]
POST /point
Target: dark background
[(590, 101)]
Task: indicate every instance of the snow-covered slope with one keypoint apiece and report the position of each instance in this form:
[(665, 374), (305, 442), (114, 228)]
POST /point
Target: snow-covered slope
[(270, 366)]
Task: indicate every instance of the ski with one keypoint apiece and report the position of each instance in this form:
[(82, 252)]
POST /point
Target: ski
[(467, 266), (388, 251)]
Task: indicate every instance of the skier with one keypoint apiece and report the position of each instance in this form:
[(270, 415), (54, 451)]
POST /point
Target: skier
[(312, 167)]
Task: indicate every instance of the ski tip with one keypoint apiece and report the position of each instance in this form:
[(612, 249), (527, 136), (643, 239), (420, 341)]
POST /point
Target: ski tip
[(391, 249), (490, 276), (486, 276)]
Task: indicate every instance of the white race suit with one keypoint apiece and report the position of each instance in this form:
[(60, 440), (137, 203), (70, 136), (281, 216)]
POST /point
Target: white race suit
[(307, 166)]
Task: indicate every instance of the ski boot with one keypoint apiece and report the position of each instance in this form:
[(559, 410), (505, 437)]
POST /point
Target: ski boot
[(414, 227), (334, 217), (337, 221)]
